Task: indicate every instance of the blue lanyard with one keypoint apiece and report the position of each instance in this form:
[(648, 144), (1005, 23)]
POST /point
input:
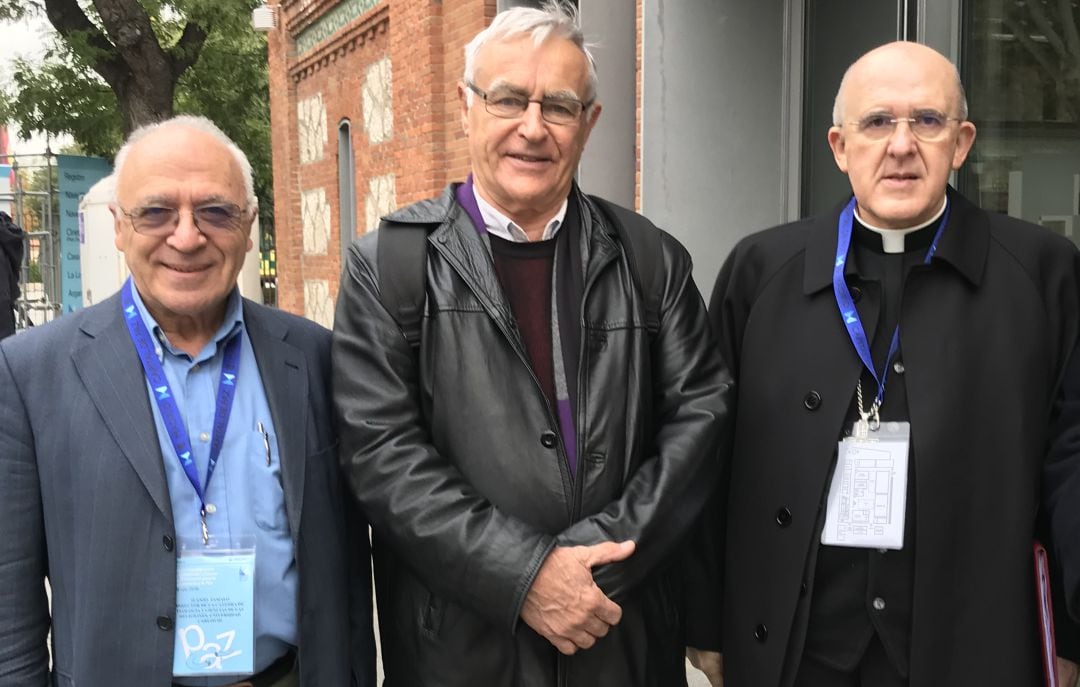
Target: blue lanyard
[(847, 306), (166, 403)]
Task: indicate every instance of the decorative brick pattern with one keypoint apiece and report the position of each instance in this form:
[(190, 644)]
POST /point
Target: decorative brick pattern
[(378, 106), (315, 218), (311, 121), (318, 303), (392, 71), (330, 23), (381, 199)]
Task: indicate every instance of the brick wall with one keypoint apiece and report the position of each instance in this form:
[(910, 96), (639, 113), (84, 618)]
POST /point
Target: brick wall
[(323, 82), (322, 72)]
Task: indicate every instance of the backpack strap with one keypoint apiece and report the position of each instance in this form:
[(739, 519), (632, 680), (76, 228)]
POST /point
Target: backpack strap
[(401, 257), (641, 241), (402, 261)]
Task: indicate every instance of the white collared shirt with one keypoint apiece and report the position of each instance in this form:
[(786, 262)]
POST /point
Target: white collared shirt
[(892, 240), (500, 225)]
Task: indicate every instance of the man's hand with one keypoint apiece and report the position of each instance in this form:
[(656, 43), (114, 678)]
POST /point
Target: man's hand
[(709, 662), (1068, 672), (564, 605)]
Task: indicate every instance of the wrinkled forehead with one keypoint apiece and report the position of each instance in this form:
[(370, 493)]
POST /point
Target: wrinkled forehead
[(177, 163), (520, 62)]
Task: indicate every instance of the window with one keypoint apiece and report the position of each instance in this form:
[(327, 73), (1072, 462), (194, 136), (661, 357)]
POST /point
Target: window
[(346, 188), (863, 25), (1021, 67)]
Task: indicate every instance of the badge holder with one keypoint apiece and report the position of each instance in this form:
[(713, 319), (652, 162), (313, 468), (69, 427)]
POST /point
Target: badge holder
[(868, 496), (215, 607)]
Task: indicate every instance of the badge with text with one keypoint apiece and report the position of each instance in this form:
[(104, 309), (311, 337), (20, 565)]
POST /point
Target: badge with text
[(215, 608), (867, 499)]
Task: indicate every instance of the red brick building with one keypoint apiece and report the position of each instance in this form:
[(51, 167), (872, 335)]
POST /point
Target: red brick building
[(713, 123), (374, 82)]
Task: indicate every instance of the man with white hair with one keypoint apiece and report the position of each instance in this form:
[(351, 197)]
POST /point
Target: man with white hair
[(531, 466), (899, 362), (167, 461)]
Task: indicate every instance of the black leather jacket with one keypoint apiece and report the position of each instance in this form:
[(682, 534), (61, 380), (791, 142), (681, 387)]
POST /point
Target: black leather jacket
[(444, 452)]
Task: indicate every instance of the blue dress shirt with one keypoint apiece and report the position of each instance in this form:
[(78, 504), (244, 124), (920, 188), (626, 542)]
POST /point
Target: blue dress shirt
[(245, 494)]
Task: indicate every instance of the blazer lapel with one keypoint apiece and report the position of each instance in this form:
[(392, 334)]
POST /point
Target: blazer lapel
[(285, 381), (113, 377)]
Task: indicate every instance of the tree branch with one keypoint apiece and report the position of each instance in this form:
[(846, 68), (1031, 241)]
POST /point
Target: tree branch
[(1033, 48), (1044, 25), (186, 51), (1072, 37), (73, 25), (128, 26)]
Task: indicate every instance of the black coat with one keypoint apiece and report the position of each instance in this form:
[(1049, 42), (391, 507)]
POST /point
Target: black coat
[(986, 330), (1061, 485), (11, 254), (452, 459)]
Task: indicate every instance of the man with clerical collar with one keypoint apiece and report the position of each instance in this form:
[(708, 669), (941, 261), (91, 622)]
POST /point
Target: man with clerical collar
[(531, 467), (898, 361), (167, 461)]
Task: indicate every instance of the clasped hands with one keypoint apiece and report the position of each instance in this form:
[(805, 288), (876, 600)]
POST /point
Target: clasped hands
[(564, 605)]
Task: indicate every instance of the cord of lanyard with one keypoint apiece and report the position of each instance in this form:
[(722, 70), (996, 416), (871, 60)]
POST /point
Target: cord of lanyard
[(850, 315), (166, 403)]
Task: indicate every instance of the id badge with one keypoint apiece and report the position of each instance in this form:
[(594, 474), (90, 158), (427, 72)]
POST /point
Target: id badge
[(215, 608), (868, 495)]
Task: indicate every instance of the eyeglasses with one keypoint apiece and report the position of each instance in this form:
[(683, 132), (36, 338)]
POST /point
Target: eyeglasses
[(925, 125), (215, 219), (507, 104)]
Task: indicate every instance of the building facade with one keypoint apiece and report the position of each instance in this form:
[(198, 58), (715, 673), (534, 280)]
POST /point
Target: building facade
[(714, 120)]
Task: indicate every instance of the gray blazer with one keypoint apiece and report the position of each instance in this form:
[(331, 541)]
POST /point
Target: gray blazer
[(84, 502)]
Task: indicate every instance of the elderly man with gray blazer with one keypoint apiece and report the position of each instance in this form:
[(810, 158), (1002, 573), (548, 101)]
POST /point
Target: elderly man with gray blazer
[(167, 461)]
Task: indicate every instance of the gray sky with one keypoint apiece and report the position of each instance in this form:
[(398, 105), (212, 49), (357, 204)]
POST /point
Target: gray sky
[(27, 39)]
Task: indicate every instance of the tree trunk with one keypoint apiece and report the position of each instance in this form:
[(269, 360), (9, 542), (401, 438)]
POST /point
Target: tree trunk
[(144, 99), (129, 58)]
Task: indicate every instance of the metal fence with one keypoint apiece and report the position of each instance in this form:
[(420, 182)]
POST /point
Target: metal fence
[(32, 200)]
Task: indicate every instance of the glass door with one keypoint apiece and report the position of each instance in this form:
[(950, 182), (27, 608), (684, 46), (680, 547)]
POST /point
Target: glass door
[(1021, 67), (837, 32)]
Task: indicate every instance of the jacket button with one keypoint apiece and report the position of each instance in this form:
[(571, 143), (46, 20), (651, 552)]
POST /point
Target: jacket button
[(803, 588), (164, 622), (547, 440), (761, 633), (167, 542), (783, 517), (898, 367), (856, 294), (812, 400)]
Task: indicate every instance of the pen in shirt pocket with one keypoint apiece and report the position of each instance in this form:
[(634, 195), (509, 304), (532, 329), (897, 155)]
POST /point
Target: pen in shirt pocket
[(266, 441)]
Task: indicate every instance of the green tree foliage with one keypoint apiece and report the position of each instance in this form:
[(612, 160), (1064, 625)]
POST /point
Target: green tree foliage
[(114, 65)]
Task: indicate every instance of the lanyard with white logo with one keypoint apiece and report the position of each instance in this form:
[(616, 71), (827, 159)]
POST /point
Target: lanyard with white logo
[(170, 413), (851, 316)]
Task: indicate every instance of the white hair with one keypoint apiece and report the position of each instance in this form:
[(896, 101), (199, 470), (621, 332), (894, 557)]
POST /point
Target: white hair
[(838, 102), (553, 19), (196, 123)]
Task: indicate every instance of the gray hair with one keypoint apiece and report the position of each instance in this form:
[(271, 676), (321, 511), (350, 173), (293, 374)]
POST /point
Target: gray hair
[(553, 19), (196, 123), (838, 102)]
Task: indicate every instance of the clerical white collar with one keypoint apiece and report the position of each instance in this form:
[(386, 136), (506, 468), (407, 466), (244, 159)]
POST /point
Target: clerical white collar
[(892, 240), (498, 224)]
